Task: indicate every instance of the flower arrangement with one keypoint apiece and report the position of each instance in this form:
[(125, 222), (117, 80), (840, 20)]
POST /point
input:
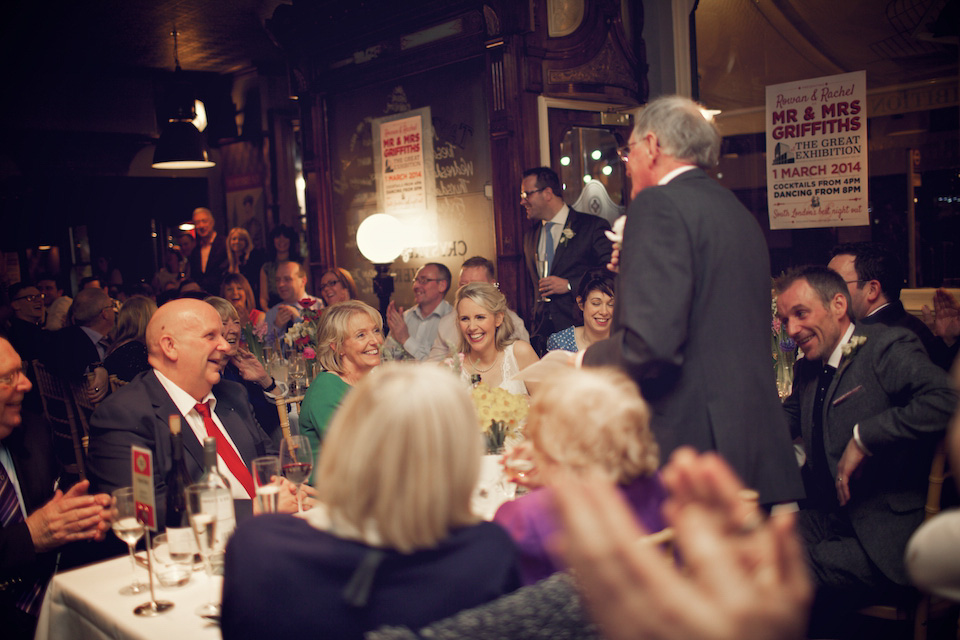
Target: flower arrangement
[(254, 335), (303, 334), (500, 414), (784, 352)]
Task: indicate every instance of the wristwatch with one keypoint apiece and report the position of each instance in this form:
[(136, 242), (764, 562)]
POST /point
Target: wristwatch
[(273, 385)]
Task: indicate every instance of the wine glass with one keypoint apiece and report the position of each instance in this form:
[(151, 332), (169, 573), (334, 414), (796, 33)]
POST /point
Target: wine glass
[(543, 270), (297, 372), (296, 460), (265, 469), (202, 501), (129, 529)]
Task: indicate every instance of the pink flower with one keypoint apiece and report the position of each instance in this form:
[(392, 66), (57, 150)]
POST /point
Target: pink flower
[(776, 324), (309, 353)]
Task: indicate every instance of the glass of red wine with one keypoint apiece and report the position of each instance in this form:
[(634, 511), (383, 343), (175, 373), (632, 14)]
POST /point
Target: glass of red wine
[(296, 462)]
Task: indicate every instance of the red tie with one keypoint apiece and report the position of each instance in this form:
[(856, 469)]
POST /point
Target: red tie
[(225, 451)]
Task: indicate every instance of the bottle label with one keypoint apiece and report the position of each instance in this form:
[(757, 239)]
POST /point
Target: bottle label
[(226, 520)]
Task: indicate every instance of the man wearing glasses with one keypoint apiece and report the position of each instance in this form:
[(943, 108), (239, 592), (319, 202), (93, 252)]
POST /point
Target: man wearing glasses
[(415, 329), (26, 333), (559, 249)]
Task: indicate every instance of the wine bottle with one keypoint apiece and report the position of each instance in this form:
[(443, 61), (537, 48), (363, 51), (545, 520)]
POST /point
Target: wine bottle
[(180, 537), (226, 519)]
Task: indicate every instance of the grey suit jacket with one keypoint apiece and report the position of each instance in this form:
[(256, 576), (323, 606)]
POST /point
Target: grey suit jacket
[(589, 248), (137, 414), (692, 324), (902, 402)]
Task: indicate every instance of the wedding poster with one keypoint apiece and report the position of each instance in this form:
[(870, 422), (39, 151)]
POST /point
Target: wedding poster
[(817, 152)]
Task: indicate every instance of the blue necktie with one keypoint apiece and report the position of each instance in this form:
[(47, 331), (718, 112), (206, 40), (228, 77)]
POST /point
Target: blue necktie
[(548, 248)]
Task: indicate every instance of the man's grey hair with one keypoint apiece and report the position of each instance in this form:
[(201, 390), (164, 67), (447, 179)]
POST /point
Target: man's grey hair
[(681, 129), (87, 306)]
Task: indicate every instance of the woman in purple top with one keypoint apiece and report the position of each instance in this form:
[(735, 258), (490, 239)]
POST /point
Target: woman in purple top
[(602, 428)]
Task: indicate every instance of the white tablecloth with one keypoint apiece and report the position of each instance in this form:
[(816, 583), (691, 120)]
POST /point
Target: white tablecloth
[(85, 604)]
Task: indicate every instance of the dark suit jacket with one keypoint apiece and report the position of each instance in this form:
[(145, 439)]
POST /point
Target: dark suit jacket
[(70, 353), (894, 315), (217, 265), (30, 447), (587, 249), (137, 414), (902, 402), (691, 325)]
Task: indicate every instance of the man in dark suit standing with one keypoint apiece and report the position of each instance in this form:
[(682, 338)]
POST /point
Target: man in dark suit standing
[(692, 316), (568, 241), (874, 278), (208, 261), (870, 407), (36, 519), (185, 349)]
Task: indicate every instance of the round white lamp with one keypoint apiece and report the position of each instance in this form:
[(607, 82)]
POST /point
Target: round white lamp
[(381, 238)]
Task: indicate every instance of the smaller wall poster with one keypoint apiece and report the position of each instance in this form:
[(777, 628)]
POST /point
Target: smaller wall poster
[(817, 152)]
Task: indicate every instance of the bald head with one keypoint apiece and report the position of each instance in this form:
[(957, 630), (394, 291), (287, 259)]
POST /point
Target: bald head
[(185, 345)]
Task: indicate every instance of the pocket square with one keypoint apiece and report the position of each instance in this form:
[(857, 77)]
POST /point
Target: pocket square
[(856, 389)]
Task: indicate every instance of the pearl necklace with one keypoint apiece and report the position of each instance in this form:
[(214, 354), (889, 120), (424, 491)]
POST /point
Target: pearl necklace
[(473, 365)]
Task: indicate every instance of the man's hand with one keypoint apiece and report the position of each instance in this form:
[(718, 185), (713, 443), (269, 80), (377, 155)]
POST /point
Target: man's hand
[(554, 286), (398, 327), (944, 321), (70, 516), (744, 577), (846, 468), (97, 385), (250, 368), (614, 264), (286, 313)]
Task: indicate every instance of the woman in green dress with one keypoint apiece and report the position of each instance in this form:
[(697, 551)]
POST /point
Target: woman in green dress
[(348, 348)]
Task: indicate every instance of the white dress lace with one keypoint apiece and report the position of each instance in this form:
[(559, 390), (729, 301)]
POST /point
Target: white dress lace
[(508, 369)]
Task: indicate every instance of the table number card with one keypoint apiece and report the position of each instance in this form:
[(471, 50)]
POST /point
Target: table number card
[(143, 489)]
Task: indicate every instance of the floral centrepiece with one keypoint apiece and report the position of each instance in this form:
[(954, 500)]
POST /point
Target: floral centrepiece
[(500, 414), (303, 334)]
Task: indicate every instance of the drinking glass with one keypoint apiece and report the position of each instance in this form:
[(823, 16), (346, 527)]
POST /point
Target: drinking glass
[(296, 460), (129, 529), (202, 501), (172, 569), (543, 270), (297, 372), (265, 470)]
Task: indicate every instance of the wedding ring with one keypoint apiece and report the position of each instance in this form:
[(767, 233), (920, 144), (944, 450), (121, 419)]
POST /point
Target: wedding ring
[(751, 523)]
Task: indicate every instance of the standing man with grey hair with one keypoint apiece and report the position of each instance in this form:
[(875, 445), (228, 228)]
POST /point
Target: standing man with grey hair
[(692, 318)]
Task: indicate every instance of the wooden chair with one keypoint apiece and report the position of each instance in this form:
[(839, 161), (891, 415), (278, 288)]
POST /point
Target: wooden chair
[(283, 412), (925, 607), (59, 409), (116, 383), (85, 409)]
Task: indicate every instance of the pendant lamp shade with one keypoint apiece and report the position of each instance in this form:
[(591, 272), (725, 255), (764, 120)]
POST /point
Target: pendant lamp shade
[(181, 147)]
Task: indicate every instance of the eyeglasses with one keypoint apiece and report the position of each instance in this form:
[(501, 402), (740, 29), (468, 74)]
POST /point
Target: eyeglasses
[(525, 195), (329, 285), (624, 152), (11, 378), (33, 297), (422, 280)]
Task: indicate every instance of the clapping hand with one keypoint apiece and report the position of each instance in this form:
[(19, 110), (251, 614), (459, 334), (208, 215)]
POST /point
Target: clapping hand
[(944, 321), (398, 326), (743, 576), (285, 314), (70, 516)]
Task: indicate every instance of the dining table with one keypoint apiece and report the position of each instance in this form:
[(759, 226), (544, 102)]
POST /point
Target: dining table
[(85, 604)]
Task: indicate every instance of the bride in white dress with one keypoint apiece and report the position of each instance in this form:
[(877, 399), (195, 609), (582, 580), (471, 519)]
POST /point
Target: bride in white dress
[(484, 326)]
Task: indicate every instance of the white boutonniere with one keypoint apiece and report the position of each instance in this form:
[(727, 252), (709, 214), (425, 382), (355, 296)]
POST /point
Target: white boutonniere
[(566, 235), (615, 235), (852, 346)]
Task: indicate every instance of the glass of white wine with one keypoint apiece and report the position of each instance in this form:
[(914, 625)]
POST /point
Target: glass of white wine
[(543, 270), (129, 529), (265, 470), (202, 508)]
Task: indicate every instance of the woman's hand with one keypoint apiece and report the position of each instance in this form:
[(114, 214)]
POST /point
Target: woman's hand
[(250, 368), (519, 467)]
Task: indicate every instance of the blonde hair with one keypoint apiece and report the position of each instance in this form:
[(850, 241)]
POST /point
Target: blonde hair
[(132, 321), (334, 325), (604, 426), (234, 260), (489, 297), (402, 455)]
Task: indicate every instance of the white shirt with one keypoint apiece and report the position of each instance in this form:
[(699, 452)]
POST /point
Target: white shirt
[(186, 405), (673, 174), (423, 330)]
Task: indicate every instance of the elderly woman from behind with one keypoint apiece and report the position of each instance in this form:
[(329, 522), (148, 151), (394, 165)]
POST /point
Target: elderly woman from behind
[(393, 539), (348, 348), (127, 356), (584, 421), (487, 349)]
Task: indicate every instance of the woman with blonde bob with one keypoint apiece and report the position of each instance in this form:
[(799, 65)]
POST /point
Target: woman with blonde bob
[(587, 422), (127, 356), (348, 348), (485, 342), (244, 258), (393, 540)]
